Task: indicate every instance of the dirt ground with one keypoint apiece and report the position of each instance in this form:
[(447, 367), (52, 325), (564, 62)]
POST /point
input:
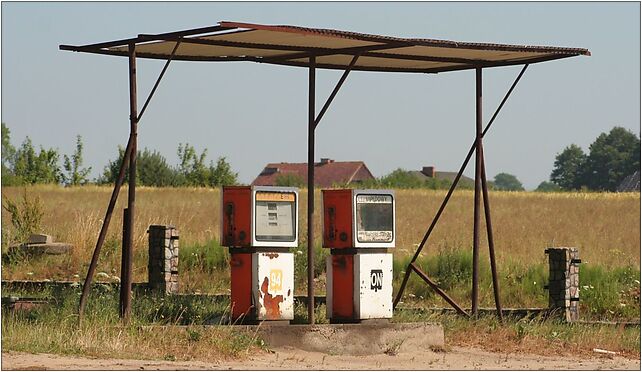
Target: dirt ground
[(288, 358)]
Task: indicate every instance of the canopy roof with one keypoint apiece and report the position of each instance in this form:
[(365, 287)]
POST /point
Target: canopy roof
[(293, 46)]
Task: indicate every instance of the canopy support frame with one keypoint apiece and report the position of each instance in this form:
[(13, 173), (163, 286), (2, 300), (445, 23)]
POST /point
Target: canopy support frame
[(473, 147), (126, 280)]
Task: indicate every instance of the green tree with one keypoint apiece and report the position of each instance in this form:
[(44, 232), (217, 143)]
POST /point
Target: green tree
[(8, 151), (612, 157), (221, 174), (8, 157), (76, 175), (546, 186), (151, 170), (290, 179), (569, 168), (192, 166), (401, 179), (34, 168), (507, 182)]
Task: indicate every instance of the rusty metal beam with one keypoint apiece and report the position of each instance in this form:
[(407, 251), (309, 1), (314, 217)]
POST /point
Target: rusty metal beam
[(123, 42), (452, 188), (103, 230), (489, 233), (127, 256), (123, 264), (335, 91), (436, 288), (160, 77), (477, 198), (311, 115)]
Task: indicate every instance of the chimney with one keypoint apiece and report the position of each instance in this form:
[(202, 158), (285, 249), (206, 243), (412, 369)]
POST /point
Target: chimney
[(429, 171), (326, 161)]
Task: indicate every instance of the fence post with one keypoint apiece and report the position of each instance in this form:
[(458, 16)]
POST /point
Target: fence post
[(163, 258), (564, 281)]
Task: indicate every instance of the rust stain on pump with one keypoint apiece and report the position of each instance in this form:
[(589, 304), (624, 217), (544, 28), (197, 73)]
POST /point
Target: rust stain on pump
[(271, 255), (271, 303)]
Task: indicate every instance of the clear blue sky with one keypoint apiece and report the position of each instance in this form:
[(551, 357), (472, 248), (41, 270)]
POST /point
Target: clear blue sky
[(255, 114)]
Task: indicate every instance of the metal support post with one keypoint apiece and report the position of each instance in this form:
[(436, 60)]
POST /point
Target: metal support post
[(123, 268), (452, 189), (311, 125), (478, 144), (103, 231), (114, 196), (126, 285), (491, 242)]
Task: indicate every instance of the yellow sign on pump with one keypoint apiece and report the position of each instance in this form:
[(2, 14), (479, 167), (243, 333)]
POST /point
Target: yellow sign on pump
[(275, 196)]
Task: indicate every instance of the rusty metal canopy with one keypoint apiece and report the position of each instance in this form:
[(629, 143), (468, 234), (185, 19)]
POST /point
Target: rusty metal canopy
[(293, 46)]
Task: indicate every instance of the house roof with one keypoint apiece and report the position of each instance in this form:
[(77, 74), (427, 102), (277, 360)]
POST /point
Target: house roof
[(450, 176), (326, 174), (333, 49)]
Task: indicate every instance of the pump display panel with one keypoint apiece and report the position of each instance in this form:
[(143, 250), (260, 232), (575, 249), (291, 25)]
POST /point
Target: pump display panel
[(374, 218), (275, 216), (358, 218), (259, 216)]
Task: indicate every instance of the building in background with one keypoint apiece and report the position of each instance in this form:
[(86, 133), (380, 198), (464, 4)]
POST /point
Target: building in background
[(327, 173), (430, 172)]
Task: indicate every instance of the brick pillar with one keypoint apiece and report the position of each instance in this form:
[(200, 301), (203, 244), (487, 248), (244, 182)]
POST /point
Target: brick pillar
[(163, 258), (564, 281)]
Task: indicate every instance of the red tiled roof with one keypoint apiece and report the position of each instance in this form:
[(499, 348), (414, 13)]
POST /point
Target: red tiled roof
[(326, 174)]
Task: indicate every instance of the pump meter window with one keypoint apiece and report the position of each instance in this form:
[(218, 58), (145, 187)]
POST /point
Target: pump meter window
[(374, 218), (275, 214)]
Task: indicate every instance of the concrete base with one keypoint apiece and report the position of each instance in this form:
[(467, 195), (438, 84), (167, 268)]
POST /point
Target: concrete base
[(354, 339), (41, 249)]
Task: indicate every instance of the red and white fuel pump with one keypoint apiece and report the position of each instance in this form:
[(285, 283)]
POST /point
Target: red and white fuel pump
[(359, 229), (259, 224)]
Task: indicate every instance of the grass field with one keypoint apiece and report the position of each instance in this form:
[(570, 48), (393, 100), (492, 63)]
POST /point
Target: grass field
[(55, 330), (604, 226)]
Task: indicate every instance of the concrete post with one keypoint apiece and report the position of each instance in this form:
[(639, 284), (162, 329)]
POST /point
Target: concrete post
[(163, 258), (563, 283)]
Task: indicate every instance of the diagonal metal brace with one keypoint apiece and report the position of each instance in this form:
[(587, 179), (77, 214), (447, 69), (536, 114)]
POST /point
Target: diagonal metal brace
[(436, 288), (114, 196), (335, 91), (453, 186), (160, 77)]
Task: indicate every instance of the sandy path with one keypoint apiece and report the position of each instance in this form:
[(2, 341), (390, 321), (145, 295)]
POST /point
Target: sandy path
[(285, 358)]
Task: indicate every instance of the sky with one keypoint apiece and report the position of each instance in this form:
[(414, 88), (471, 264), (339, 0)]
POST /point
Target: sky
[(254, 114)]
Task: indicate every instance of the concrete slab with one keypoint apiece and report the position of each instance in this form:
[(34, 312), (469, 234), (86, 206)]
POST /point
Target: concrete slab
[(40, 239), (354, 339)]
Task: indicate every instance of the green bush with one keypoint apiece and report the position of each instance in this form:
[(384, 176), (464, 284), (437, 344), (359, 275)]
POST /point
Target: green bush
[(209, 257)]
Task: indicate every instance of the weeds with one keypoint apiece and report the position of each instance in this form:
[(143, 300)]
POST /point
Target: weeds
[(26, 215), (55, 329)]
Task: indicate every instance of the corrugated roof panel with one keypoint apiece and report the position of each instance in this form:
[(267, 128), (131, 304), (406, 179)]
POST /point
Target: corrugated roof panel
[(291, 45)]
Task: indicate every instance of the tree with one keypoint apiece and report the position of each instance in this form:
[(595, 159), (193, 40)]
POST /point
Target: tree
[(612, 157), (507, 182), (569, 168), (8, 158), (32, 168), (75, 174), (402, 179), (546, 186), (191, 166), (221, 174), (8, 151), (151, 170), (110, 172)]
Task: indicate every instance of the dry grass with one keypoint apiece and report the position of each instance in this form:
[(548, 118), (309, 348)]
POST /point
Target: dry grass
[(114, 341), (605, 227)]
